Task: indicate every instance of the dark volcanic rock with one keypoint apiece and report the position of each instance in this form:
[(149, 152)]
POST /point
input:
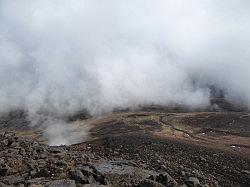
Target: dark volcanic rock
[(147, 149), (88, 170), (26, 162), (164, 178), (78, 176), (3, 171)]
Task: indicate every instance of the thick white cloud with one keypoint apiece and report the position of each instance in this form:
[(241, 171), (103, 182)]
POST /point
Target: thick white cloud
[(62, 55)]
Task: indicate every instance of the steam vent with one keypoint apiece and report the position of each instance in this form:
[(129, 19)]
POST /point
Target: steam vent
[(146, 93)]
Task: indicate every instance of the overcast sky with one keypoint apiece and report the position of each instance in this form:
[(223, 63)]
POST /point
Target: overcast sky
[(64, 55)]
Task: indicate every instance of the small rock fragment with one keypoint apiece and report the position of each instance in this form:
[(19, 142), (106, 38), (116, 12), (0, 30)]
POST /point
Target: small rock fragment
[(193, 181), (246, 172), (149, 183), (165, 179), (78, 176), (12, 179), (61, 183), (3, 171)]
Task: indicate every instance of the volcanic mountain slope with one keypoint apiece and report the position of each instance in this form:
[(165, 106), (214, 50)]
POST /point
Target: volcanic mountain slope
[(133, 149)]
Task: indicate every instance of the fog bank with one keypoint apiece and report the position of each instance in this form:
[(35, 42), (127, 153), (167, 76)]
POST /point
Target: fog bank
[(61, 56)]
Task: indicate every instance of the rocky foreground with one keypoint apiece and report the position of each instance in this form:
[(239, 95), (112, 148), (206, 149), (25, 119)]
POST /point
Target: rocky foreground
[(27, 163), (151, 149)]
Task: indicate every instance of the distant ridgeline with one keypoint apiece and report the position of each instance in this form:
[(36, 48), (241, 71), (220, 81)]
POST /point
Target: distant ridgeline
[(18, 119)]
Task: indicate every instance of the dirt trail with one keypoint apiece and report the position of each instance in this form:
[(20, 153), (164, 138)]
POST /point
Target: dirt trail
[(195, 149)]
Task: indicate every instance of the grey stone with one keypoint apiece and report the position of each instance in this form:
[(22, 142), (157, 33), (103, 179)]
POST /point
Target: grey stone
[(163, 167), (183, 185), (13, 179), (193, 181), (197, 173), (61, 183), (246, 172), (202, 159), (88, 170), (36, 185), (5, 142), (2, 161), (33, 173), (35, 181), (5, 185), (10, 170), (150, 183), (93, 185)]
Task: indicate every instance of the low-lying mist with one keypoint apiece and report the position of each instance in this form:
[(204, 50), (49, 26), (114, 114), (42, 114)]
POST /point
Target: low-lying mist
[(61, 56)]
